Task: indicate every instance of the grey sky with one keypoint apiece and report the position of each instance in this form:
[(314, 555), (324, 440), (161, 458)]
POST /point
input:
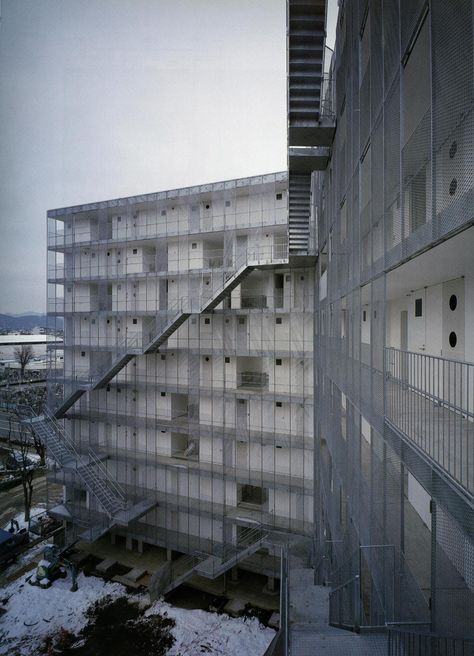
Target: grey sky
[(106, 98)]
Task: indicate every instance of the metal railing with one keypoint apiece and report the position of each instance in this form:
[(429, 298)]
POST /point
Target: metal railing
[(431, 400), (411, 642), (253, 379)]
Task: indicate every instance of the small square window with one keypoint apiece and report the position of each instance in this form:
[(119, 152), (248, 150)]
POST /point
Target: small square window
[(163, 212), (206, 358), (83, 354), (119, 218), (93, 321), (241, 401), (119, 391), (419, 307), (108, 320), (278, 362), (288, 277), (227, 360), (134, 321), (241, 321), (135, 251), (163, 393), (278, 320), (227, 203), (69, 289), (207, 321), (301, 277), (278, 404), (108, 253), (92, 254), (194, 246), (163, 357), (108, 388), (208, 206), (279, 196), (118, 261)]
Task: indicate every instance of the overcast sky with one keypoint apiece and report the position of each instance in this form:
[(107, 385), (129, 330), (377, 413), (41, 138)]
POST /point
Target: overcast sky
[(107, 98)]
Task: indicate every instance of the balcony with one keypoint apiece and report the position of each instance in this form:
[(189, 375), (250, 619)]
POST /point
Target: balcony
[(431, 401), (253, 380)]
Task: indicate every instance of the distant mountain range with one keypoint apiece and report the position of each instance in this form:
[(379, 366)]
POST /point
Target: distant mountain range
[(22, 321)]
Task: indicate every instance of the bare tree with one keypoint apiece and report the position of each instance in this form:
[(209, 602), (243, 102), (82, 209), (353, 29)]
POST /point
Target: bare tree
[(27, 469), (23, 355)]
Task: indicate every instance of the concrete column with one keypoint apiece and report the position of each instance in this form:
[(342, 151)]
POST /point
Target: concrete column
[(270, 586), (140, 546), (129, 543)]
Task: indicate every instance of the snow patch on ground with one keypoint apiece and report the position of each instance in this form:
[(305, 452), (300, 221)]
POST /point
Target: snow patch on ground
[(198, 631), (32, 613), (20, 517)]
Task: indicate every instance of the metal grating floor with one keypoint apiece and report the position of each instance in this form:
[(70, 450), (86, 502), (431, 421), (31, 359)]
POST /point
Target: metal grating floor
[(310, 633)]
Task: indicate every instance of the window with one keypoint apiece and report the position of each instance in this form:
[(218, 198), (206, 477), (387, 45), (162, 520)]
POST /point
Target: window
[(279, 196), (135, 251), (227, 360), (227, 203), (194, 246), (252, 494), (163, 212), (93, 321), (108, 253), (278, 362), (279, 404), (119, 218), (163, 357), (119, 391), (241, 401), (418, 307), (92, 254), (208, 206), (83, 354), (163, 393), (288, 277), (134, 321), (364, 315), (206, 358), (242, 321), (207, 321), (278, 320), (108, 320)]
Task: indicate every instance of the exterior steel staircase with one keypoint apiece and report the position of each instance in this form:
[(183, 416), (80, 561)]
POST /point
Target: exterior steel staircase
[(212, 566), (89, 468), (161, 328)]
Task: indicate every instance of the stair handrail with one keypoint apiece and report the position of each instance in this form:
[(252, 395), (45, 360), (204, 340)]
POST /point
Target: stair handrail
[(110, 482)]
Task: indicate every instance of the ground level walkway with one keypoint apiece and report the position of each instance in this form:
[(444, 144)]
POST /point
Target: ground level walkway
[(310, 633)]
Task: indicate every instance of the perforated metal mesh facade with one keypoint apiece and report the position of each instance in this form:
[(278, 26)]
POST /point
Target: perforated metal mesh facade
[(400, 178)]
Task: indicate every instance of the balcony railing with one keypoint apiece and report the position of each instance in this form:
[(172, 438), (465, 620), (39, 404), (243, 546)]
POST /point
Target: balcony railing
[(431, 400), (253, 379)]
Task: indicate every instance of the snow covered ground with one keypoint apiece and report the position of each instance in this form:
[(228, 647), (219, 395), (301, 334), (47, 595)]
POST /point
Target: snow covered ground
[(32, 613)]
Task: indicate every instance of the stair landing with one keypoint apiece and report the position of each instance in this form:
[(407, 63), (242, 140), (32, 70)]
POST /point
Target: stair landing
[(310, 633)]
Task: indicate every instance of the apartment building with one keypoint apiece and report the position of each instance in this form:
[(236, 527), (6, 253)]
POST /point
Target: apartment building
[(392, 194), (187, 415)]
